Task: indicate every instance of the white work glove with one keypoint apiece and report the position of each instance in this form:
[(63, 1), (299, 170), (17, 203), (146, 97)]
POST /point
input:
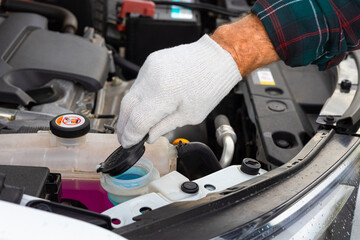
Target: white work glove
[(176, 87)]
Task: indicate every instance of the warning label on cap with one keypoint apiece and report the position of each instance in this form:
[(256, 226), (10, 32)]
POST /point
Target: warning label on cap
[(70, 121)]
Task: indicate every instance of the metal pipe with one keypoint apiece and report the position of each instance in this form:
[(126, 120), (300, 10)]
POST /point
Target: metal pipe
[(226, 138), (12, 114), (228, 151), (68, 19), (8, 113), (29, 115)]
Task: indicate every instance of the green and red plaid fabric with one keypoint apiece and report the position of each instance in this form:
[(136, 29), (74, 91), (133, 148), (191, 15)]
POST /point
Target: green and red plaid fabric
[(311, 31)]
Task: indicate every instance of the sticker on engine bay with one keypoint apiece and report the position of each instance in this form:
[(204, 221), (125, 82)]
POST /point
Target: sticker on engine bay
[(70, 121), (264, 77), (178, 12)]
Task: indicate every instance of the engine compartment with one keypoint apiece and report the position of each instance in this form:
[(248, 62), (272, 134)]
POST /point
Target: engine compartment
[(45, 73)]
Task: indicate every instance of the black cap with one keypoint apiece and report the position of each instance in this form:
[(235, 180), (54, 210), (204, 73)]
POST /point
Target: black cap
[(190, 187), (70, 125), (346, 85), (122, 159), (250, 166)]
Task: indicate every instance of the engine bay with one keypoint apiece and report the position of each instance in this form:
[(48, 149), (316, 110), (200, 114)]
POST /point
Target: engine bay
[(46, 73)]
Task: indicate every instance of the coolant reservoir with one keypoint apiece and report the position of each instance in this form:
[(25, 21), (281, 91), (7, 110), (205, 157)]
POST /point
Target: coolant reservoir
[(75, 157), (134, 182)]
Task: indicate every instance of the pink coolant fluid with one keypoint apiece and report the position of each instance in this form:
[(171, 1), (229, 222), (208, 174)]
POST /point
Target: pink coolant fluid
[(88, 192)]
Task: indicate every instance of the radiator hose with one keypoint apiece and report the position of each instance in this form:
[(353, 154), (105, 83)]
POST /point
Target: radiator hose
[(200, 151), (69, 21)]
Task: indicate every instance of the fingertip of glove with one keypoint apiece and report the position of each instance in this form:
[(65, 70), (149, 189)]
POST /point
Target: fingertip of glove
[(122, 141), (152, 138), (130, 137), (119, 138), (125, 143)]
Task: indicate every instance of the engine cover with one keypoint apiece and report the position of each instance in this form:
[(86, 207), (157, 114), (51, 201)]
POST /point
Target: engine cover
[(31, 56)]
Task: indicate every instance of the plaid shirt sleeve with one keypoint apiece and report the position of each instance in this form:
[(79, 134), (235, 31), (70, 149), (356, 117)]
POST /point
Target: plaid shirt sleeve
[(311, 31)]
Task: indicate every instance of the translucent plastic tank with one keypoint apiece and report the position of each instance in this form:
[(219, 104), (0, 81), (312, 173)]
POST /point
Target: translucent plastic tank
[(134, 182), (75, 158)]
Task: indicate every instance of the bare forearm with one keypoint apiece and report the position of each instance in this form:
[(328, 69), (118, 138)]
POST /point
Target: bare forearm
[(247, 42)]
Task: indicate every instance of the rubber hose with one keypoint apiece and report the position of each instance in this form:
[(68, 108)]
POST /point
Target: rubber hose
[(69, 21), (122, 62), (200, 151), (126, 64)]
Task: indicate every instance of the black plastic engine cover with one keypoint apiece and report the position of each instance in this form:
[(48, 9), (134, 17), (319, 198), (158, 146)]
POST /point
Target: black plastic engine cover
[(31, 56), (285, 102)]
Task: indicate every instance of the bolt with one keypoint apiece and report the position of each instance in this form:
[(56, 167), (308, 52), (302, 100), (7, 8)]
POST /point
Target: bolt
[(116, 81), (44, 207), (282, 143), (329, 119), (345, 85)]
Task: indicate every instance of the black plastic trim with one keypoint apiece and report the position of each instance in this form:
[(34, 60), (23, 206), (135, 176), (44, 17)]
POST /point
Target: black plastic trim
[(350, 120), (10, 193), (98, 219)]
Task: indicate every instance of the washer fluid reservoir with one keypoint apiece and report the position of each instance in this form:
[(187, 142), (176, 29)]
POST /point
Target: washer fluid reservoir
[(134, 182)]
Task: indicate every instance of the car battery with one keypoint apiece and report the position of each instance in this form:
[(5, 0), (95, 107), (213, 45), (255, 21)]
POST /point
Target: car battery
[(170, 26)]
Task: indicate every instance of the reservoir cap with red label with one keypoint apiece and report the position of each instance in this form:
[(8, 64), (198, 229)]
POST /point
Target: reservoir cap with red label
[(70, 125)]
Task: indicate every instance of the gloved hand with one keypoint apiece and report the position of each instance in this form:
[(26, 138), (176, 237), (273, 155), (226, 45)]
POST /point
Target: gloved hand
[(176, 87)]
